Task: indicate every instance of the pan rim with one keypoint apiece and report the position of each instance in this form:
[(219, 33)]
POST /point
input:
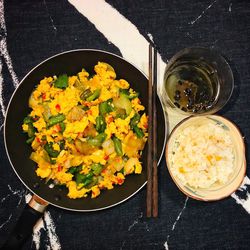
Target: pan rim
[(5, 141)]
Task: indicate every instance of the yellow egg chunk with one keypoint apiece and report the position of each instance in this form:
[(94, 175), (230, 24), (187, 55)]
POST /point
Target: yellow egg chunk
[(87, 132), (72, 129)]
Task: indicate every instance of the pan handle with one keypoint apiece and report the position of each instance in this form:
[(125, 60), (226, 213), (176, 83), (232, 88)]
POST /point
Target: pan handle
[(32, 212)]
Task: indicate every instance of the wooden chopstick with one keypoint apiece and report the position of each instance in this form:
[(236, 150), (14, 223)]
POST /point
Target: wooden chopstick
[(152, 175), (154, 153), (150, 130)]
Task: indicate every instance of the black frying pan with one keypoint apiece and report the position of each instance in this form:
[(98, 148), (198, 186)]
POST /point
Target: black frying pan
[(18, 151)]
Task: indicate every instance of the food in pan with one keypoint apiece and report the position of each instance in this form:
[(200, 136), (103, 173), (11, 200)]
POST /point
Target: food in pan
[(202, 155), (86, 132)]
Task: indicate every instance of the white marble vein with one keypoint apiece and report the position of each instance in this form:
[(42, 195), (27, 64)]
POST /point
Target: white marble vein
[(51, 19), (4, 58), (245, 203), (4, 198), (7, 59), (54, 241), (1, 92), (175, 223), (3, 224), (202, 13), (136, 221), (36, 238), (179, 215)]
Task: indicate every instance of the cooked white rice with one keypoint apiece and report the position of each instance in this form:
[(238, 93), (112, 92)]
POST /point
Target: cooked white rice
[(203, 155)]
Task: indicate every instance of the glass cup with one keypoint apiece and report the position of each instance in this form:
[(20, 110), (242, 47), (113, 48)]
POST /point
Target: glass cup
[(197, 81)]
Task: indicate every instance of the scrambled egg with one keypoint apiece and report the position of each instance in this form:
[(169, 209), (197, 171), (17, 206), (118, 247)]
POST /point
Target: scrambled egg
[(87, 133)]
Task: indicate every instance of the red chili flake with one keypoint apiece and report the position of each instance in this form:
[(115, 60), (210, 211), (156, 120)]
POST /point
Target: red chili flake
[(88, 104), (35, 118), (106, 157), (89, 112), (38, 140), (80, 134), (57, 128), (110, 119), (118, 160), (43, 96), (120, 181), (145, 125), (59, 168), (58, 107)]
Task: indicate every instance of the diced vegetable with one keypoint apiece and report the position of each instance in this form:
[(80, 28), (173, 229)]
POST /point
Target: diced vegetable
[(130, 165), (62, 126), (75, 114), (94, 96), (118, 146), (134, 121), (97, 168), (87, 181), (128, 95), (105, 107), (133, 124), (61, 144), (108, 147), (46, 113), (31, 130), (85, 94), (74, 170), (133, 145), (93, 182), (79, 85), (109, 67), (79, 178), (84, 147), (98, 140), (27, 120), (123, 102), (118, 163), (84, 179), (120, 113), (138, 131), (61, 82), (49, 149), (89, 131), (47, 158), (53, 120), (30, 140), (100, 124)]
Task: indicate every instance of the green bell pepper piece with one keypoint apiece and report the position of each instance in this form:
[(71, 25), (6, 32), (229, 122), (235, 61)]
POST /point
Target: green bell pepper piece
[(118, 146), (53, 120), (61, 82)]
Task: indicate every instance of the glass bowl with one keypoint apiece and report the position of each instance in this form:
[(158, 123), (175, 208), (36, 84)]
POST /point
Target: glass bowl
[(217, 190), (197, 81)]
